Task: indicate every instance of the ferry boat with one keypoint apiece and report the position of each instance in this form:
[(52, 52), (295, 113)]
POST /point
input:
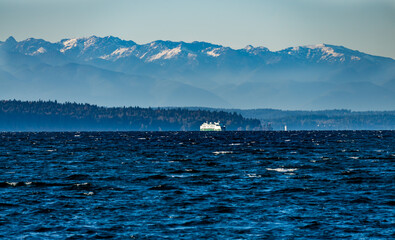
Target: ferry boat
[(212, 127)]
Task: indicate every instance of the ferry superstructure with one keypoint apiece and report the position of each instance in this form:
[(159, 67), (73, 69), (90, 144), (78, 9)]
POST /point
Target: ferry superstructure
[(212, 127)]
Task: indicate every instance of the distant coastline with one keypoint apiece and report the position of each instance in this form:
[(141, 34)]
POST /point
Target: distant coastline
[(337, 119), (53, 116)]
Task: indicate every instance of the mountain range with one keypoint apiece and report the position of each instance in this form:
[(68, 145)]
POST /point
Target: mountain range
[(110, 71)]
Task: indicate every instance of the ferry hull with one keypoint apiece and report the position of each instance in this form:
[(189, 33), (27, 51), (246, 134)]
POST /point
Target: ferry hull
[(211, 130)]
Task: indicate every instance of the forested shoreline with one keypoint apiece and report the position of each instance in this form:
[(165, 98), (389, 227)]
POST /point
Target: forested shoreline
[(18, 115), (53, 116)]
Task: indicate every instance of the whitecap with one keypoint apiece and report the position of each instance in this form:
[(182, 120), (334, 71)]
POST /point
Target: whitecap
[(222, 152), (179, 176), (282, 170), (234, 144), (253, 175)]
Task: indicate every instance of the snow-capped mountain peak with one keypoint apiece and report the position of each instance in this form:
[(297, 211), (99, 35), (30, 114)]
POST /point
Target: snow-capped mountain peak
[(112, 48), (255, 50), (69, 44), (319, 53), (91, 41), (109, 68), (326, 50)]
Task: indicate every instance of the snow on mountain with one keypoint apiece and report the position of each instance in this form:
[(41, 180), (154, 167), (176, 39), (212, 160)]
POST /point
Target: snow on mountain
[(255, 50), (166, 54), (89, 48), (325, 53), (112, 49), (69, 44), (317, 53), (214, 52), (30, 46), (119, 53), (295, 77), (41, 50)]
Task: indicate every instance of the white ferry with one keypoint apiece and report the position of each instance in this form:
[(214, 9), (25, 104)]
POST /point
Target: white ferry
[(212, 127)]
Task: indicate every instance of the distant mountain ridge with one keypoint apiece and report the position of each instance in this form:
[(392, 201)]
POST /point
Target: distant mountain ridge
[(114, 72), (112, 48)]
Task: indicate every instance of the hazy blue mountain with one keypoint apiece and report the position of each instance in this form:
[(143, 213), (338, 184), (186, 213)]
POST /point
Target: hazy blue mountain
[(110, 71), (390, 85)]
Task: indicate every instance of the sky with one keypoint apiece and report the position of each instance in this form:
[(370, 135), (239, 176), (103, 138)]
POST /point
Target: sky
[(364, 25)]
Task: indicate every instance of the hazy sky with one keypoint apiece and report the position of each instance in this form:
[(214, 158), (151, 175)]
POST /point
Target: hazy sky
[(365, 25)]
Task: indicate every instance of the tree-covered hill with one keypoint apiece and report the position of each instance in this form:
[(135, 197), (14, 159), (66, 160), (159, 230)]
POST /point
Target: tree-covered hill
[(339, 119), (323, 120), (52, 116)]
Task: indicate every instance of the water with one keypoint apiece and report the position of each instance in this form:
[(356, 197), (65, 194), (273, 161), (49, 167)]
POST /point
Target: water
[(198, 185)]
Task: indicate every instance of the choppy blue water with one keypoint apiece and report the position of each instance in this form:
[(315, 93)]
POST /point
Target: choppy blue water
[(198, 185)]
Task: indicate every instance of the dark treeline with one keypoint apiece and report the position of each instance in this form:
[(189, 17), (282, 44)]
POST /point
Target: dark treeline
[(52, 116)]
